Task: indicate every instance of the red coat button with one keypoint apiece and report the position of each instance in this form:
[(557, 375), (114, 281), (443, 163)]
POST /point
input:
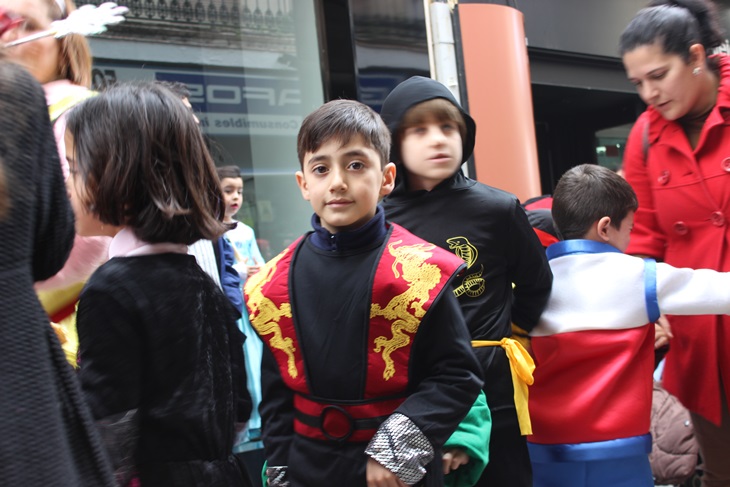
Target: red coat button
[(718, 219), (726, 164), (680, 228), (663, 178)]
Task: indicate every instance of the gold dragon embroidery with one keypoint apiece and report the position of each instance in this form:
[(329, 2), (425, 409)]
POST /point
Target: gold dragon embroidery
[(473, 284), (406, 310), (265, 315)]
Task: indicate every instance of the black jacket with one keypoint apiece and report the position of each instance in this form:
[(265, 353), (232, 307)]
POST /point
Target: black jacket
[(158, 336), (48, 436), (485, 226), (331, 279)]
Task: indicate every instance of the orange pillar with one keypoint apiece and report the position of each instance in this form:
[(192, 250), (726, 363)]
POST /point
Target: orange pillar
[(497, 78)]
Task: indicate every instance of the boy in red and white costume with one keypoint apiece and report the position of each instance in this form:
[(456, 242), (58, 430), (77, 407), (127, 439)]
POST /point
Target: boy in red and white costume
[(590, 404)]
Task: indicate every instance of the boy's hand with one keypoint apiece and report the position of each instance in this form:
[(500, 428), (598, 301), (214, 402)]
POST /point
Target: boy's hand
[(242, 270), (379, 476), (453, 459), (253, 269), (663, 332)]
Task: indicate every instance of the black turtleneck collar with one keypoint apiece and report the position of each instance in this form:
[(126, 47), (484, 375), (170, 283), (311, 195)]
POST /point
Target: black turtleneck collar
[(373, 232)]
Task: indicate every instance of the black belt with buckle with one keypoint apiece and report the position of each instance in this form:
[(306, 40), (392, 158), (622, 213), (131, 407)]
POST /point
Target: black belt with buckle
[(334, 416)]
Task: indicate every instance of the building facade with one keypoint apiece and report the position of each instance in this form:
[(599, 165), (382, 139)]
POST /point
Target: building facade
[(255, 68)]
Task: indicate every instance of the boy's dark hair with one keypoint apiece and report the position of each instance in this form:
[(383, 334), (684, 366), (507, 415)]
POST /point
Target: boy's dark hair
[(587, 193), (439, 108), (342, 120), (675, 25), (145, 165), (229, 172), (418, 90)]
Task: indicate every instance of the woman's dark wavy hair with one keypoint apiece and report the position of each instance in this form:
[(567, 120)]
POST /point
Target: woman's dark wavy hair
[(587, 193), (145, 165), (675, 25)]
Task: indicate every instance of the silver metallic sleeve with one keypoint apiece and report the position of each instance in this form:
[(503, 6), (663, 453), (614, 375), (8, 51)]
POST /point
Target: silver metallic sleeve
[(401, 447), (276, 477)]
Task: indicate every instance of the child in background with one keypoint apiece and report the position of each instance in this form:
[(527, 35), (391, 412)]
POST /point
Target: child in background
[(594, 345), (248, 260), (241, 236), (160, 355), (367, 368), (487, 227)]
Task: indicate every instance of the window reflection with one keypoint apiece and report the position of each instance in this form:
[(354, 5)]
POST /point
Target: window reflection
[(253, 70)]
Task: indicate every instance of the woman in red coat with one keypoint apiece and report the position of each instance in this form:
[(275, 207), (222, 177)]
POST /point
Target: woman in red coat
[(678, 162)]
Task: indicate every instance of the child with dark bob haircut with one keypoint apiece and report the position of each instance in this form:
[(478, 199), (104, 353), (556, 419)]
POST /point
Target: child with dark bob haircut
[(155, 174), (161, 362), (367, 366), (590, 404)]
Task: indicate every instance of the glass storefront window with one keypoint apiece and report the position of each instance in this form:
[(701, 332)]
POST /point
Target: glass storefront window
[(253, 69), (610, 146), (390, 44)]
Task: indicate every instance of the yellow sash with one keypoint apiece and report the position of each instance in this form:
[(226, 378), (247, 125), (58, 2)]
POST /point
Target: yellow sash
[(521, 365)]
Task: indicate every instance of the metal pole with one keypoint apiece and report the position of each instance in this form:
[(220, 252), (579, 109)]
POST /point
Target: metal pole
[(442, 46)]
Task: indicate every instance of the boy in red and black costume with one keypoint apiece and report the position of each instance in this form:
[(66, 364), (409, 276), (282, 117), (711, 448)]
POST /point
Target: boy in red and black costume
[(367, 368)]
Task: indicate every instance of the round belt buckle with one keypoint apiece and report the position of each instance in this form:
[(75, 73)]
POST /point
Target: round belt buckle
[(336, 423)]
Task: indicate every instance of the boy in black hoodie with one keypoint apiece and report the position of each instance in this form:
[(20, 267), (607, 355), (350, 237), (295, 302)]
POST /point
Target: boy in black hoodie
[(487, 227), (367, 367)]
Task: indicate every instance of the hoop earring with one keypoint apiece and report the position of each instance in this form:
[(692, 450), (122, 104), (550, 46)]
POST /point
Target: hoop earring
[(696, 71)]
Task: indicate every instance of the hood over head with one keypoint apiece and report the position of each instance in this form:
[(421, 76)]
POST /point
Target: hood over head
[(413, 91)]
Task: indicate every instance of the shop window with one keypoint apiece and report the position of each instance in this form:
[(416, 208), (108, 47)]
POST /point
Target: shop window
[(610, 146), (254, 72)]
